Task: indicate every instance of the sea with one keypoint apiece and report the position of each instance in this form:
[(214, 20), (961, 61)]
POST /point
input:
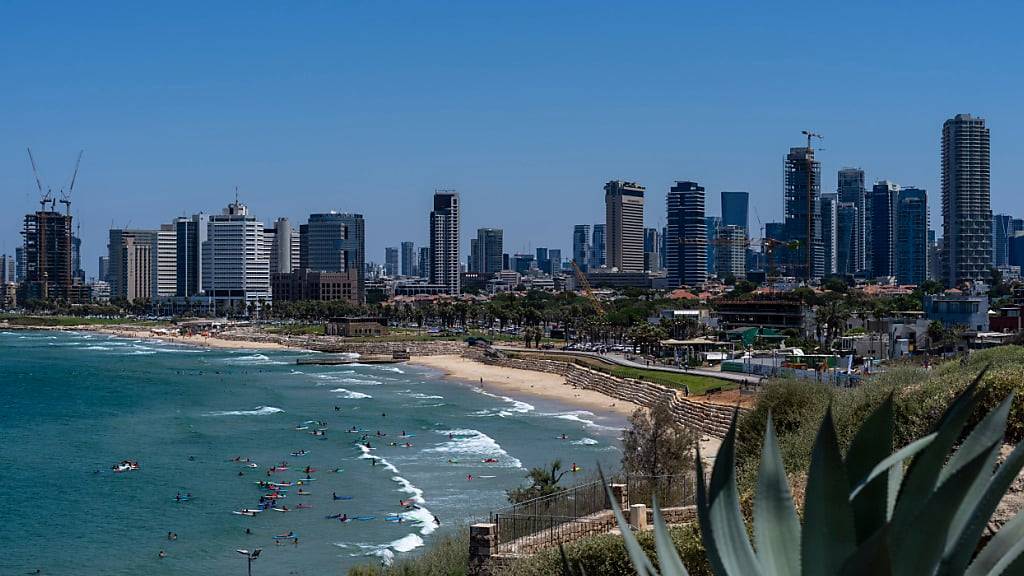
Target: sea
[(207, 425)]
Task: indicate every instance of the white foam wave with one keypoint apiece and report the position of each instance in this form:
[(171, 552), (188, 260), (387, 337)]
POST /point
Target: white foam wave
[(579, 416), (258, 411), (518, 407), (584, 442), (344, 380), (253, 359), (393, 369), (96, 347), (406, 543), (367, 456), (350, 394), (469, 442), (423, 396)]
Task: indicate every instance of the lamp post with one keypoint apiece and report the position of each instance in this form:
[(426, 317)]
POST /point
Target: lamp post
[(250, 556)]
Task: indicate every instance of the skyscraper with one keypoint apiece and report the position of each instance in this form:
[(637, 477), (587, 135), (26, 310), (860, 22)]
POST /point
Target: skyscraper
[(829, 232), (489, 247), (803, 213), (423, 265), (731, 252), (711, 226), (686, 236), (851, 191), (131, 263), (283, 241), (164, 267), (734, 209), (20, 263), (335, 242), (652, 249), (391, 261), (190, 234), (542, 258), (581, 245), (554, 261), (911, 252), (8, 272), (1002, 229), (408, 259), (624, 221), (966, 209), (104, 269), (444, 241), (883, 202), (597, 247), (846, 240), (236, 259)]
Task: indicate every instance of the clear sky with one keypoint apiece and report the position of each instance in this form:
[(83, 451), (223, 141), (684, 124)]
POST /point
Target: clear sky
[(526, 108)]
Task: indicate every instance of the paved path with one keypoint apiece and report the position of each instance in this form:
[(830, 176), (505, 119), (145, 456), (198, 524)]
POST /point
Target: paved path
[(622, 361)]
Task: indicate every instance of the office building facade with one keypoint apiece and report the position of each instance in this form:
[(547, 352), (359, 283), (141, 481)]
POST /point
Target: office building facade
[(624, 226), (735, 206), (847, 218), (711, 226), (829, 232), (391, 261), (335, 242), (489, 248), (408, 259), (164, 267), (285, 252), (48, 250), (190, 234), (851, 190), (686, 235), (236, 259), (131, 264), (598, 250), (966, 200), (652, 249), (581, 246), (911, 236), (1002, 230), (731, 253), (883, 202)]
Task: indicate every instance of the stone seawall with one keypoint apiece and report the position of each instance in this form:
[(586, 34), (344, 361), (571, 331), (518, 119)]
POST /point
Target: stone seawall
[(704, 417), (338, 345)]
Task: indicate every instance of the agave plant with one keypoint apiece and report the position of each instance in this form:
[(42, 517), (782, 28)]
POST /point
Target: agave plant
[(867, 514)]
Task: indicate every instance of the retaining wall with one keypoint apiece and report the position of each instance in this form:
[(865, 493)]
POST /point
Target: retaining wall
[(704, 417)]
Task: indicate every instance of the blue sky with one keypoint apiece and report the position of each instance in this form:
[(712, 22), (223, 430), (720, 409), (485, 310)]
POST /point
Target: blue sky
[(526, 108)]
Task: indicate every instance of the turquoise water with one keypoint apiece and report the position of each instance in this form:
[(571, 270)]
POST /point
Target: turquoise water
[(74, 404)]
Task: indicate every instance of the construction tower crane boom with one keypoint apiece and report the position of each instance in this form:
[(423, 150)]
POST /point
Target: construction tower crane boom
[(44, 196), (65, 197), (585, 284)]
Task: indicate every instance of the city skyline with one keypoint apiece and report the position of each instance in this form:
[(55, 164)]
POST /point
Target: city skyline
[(169, 130)]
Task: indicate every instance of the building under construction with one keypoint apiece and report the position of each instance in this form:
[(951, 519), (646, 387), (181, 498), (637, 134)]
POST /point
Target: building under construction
[(48, 257)]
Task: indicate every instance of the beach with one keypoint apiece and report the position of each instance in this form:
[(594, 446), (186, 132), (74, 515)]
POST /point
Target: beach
[(540, 384)]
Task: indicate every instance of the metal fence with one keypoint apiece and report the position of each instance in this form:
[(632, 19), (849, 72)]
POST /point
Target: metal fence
[(568, 515), (551, 514)]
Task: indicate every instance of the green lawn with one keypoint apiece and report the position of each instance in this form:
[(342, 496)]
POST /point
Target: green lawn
[(697, 385)]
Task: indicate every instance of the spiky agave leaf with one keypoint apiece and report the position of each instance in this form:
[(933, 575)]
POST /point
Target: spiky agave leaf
[(1002, 552), (668, 558), (726, 520), (894, 461), (776, 526), (871, 445), (828, 538)]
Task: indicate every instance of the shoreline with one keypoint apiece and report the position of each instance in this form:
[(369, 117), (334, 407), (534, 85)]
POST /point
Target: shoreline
[(527, 382), (123, 331)]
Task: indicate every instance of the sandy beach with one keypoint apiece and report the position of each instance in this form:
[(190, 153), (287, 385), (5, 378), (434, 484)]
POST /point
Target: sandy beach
[(197, 340), (528, 382)]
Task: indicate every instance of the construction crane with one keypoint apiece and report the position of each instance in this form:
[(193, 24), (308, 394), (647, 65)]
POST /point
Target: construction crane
[(45, 197), (585, 284), (809, 249), (65, 197)]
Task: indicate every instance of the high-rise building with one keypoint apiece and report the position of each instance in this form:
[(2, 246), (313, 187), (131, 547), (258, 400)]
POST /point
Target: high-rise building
[(236, 259), (730, 252), (49, 273), (335, 242), (966, 208), (776, 253), (522, 263), (829, 232), (851, 190), (686, 235), (489, 248), (283, 240), (581, 246), (20, 263), (408, 259), (663, 251), (803, 214), (191, 234), (164, 267), (847, 218), (935, 257), (883, 202), (624, 226), (1002, 229), (8, 272), (735, 208), (598, 250), (444, 241), (131, 264), (423, 265), (542, 256), (711, 226), (104, 269), (911, 236), (77, 274), (652, 250), (391, 261), (554, 261)]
